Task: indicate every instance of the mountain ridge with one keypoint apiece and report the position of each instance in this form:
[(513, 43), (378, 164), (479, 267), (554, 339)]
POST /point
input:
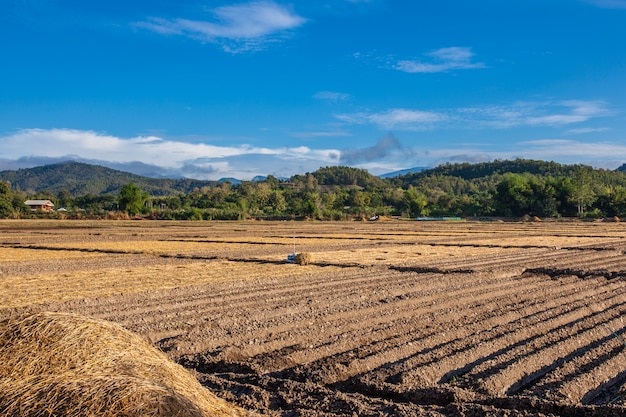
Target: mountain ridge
[(79, 178)]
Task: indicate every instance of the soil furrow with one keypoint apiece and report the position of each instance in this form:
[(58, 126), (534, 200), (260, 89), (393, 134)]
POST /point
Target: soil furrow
[(368, 338), (583, 364), (474, 350), (352, 316), (542, 356)]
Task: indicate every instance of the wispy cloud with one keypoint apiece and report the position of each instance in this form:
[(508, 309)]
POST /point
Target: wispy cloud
[(556, 114), (576, 111), (608, 4), (534, 114), (401, 119), (320, 134), (441, 60), (585, 130), (331, 96), (566, 151), (572, 150), (237, 28)]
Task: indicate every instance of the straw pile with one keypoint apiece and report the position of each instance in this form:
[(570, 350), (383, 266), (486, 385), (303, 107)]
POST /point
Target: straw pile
[(56, 364), (304, 258)]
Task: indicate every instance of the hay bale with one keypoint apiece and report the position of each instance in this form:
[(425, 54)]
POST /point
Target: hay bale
[(57, 364), (304, 258), (613, 219)]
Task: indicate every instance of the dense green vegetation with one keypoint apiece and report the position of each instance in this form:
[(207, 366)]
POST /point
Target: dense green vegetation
[(500, 188)]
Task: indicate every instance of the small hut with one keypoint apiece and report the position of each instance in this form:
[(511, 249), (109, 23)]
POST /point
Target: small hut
[(45, 205)]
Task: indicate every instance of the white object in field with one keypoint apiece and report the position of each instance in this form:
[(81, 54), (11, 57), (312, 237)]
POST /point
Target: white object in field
[(291, 258)]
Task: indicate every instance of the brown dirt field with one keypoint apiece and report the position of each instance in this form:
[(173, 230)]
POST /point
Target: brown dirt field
[(391, 318)]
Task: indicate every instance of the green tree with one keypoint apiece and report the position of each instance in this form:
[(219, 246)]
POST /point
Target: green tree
[(6, 208), (584, 195), (277, 202), (5, 189), (131, 199), (360, 201), (513, 195), (64, 198), (415, 202)]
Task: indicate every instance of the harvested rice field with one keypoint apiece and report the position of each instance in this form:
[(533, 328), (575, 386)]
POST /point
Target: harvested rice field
[(391, 318)]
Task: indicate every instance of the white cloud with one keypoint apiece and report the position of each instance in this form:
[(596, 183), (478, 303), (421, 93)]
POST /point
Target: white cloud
[(331, 96), (559, 143), (401, 119), (566, 151), (534, 114), (598, 154), (238, 27), (155, 156), (442, 60), (608, 155), (584, 130), (577, 111), (608, 4), (555, 119), (320, 134), (198, 160), (518, 114)]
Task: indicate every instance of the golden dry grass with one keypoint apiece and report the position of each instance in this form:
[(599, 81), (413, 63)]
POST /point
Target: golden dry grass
[(57, 364), (24, 254), (18, 291), (404, 255), (155, 247), (38, 275)]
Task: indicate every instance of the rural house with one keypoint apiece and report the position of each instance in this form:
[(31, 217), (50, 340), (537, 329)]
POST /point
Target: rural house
[(45, 205)]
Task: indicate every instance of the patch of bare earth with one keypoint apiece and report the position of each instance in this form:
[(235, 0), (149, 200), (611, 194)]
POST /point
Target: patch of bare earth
[(393, 318)]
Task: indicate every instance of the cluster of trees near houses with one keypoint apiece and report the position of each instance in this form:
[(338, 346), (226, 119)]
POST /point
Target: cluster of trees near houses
[(493, 189)]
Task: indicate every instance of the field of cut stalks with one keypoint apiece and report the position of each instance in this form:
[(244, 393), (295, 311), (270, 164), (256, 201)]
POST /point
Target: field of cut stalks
[(398, 318)]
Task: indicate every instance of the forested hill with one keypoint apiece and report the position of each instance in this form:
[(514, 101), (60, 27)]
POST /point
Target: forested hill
[(469, 171), (82, 179)]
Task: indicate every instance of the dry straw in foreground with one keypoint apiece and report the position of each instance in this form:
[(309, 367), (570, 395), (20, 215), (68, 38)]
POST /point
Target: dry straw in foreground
[(56, 364)]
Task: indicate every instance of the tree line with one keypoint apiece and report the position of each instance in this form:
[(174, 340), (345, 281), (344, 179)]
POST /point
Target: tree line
[(494, 189)]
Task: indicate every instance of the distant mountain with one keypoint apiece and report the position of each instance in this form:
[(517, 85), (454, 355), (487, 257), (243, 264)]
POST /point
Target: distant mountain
[(403, 172), (80, 179), (233, 181)]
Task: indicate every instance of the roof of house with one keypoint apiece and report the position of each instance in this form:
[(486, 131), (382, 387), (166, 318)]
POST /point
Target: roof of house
[(38, 203)]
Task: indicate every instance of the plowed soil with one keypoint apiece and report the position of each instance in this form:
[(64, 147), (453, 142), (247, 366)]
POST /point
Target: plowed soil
[(395, 318)]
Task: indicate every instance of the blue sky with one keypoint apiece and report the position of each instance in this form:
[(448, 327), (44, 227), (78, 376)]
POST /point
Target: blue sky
[(212, 89)]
